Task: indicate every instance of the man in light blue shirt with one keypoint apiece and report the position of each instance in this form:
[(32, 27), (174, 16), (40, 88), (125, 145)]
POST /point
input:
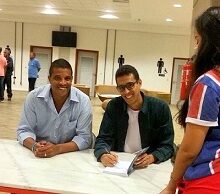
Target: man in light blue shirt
[(33, 69), (56, 118)]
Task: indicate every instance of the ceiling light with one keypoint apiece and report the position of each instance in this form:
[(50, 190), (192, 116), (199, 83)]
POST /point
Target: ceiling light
[(50, 12), (48, 6), (108, 16), (108, 11), (169, 20), (0, 9), (177, 5)]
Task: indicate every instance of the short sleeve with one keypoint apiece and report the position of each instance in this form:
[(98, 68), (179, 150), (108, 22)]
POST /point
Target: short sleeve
[(203, 106)]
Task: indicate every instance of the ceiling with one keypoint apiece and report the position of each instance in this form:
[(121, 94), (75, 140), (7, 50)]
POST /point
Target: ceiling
[(137, 15)]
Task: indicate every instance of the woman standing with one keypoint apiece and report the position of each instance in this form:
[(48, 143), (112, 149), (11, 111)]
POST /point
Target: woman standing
[(197, 166)]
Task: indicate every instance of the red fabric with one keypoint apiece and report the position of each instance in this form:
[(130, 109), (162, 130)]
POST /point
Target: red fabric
[(185, 80), (206, 185)]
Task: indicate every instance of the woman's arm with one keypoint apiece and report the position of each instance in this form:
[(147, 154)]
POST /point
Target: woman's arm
[(190, 147)]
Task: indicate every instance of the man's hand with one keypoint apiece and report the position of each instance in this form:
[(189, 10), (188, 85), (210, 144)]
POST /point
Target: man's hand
[(144, 160), (45, 149), (109, 159)]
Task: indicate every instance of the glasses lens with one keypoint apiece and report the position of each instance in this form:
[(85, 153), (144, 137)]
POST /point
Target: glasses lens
[(120, 88), (128, 85)]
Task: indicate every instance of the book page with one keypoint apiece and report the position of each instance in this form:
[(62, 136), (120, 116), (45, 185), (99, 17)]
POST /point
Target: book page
[(125, 163), (121, 168)]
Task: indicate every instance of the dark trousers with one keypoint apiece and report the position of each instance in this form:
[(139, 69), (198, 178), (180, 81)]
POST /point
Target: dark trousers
[(1, 88), (7, 82), (159, 69), (31, 83)]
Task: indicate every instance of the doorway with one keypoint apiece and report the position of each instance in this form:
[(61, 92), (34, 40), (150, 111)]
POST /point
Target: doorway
[(44, 55), (176, 79), (86, 68)]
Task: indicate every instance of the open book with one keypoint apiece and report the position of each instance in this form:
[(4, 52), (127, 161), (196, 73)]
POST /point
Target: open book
[(125, 164)]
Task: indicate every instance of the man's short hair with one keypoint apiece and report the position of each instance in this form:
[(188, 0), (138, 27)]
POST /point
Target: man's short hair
[(8, 48), (33, 53), (60, 63), (126, 70)]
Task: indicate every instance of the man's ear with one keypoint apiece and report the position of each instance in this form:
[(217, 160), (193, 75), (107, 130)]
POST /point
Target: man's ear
[(48, 78), (140, 81)]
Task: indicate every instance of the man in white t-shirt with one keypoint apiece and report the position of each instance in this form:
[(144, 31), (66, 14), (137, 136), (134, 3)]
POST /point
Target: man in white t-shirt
[(134, 121)]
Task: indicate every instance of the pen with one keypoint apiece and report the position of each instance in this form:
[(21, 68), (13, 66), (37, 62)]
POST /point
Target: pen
[(108, 152), (114, 160)]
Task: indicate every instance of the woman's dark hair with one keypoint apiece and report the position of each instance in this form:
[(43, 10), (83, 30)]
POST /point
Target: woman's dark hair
[(60, 63), (208, 55), (126, 70)]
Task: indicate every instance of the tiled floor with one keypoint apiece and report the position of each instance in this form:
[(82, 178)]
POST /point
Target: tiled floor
[(10, 115)]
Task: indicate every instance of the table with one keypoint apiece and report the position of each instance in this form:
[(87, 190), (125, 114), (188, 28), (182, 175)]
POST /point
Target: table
[(75, 172), (104, 97)]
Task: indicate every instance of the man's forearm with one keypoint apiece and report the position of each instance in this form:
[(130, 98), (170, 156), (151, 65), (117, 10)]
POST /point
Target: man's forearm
[(67, 147), (28, 143)]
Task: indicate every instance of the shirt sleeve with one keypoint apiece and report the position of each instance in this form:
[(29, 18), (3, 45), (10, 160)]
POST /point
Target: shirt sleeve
[(164, 146), (5, 62), (38, 65), (28, 120), (10, 64), (203, 106), (84, 126), (105, 137)]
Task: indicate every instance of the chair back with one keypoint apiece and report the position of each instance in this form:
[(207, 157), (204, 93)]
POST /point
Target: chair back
[(93, 141)]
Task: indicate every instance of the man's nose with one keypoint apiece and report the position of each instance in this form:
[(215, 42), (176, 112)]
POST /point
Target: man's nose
[(126, 90), (63, 81)]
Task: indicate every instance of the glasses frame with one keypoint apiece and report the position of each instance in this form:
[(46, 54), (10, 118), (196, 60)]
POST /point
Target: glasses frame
[(129, 86)]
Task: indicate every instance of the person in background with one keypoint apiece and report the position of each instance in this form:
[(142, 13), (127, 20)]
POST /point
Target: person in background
[(197, 165), (9, 70), (3, 65), (33, 69), (134, 121), (56, 118)]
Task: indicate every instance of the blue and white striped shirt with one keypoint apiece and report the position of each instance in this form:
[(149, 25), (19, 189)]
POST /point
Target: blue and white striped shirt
[(41, 121), (203, 110)]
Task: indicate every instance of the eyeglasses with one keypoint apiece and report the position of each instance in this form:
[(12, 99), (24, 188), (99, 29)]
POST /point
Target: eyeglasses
[(129, 86)]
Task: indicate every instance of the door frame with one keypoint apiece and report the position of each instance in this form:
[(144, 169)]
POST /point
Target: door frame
[(42, 47), (32, 47), (171, 85), (77, 64)]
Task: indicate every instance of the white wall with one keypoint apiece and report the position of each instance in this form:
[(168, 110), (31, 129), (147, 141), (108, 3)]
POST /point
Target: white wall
[(139, 49), (143, 50)]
